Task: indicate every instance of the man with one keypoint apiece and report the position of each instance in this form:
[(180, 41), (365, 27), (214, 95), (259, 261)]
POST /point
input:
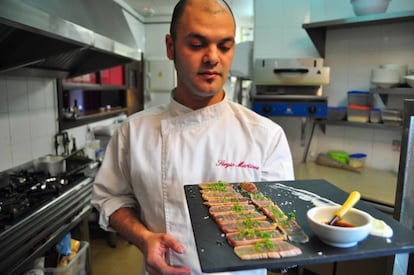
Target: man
[(200, 136)]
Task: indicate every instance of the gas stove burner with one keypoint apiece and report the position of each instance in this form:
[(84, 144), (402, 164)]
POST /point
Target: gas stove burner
[(24, 191), (14, 206), (33, 182)]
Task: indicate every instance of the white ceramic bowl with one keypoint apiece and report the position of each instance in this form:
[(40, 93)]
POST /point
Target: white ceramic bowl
[(410, 80), (363, 7), (401, 68), (385, 77), (384, 84), (335, 235)]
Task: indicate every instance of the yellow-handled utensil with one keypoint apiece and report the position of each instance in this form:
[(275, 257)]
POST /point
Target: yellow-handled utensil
[(352, 199)]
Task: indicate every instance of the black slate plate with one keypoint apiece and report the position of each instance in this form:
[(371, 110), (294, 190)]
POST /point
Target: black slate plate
[(216, 255)]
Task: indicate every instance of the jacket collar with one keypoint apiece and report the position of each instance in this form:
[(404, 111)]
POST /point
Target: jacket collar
[(181, 116)]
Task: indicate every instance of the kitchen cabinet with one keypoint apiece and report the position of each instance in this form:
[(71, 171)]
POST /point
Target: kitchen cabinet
[(317, 30), (100, 95)]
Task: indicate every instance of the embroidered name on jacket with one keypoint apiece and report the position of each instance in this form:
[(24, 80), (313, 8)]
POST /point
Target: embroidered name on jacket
[(241, 164)]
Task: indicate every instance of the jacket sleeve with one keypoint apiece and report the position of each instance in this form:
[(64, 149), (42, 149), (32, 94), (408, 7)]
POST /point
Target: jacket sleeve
[(112, 189), (278, 163)]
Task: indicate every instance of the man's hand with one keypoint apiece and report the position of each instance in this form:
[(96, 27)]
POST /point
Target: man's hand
[(154, 246), (157, 245)]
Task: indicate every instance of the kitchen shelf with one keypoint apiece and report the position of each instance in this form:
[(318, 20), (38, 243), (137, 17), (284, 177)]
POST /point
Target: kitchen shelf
[(380, 126), (400, 92), (101, 90), (394, 91), (91, 116), (317, 30), (91, 87)]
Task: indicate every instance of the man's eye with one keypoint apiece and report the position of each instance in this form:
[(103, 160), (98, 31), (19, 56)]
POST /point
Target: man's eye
[(224, 48), (195, 42), (196, 46)]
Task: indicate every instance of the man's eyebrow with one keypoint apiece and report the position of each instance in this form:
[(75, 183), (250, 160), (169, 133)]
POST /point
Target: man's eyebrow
[(229, 39), (196, 36), (204, 39)]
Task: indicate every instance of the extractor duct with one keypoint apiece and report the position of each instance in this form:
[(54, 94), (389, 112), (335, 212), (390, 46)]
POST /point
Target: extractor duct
[(63, 38)]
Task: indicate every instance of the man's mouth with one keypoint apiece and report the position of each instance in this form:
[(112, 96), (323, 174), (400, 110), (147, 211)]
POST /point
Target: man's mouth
[(209, 74)]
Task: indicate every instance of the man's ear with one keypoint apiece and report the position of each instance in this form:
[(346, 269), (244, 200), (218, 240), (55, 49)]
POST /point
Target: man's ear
[(169, 46)]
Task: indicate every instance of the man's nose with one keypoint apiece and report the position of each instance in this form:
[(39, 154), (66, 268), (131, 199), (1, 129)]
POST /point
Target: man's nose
[(211, 56)]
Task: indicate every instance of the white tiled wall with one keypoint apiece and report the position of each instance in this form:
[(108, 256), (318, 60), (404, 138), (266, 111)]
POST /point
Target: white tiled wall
[(350, 53), (278, 29), (27, 119)]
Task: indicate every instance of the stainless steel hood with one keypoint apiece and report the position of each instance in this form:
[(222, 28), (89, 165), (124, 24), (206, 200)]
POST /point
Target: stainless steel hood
[(63, 38)]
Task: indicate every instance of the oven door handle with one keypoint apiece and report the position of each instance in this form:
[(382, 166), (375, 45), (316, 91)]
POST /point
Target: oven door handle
[(291, 70)]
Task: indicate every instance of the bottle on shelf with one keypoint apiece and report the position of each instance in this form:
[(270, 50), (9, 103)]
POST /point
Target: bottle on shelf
[(91, 144), (74, 148), (75, 109)]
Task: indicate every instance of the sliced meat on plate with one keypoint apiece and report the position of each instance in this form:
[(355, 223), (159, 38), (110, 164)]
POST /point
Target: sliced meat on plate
[(274, 212), (217, 195), (267, 250), (260, 200), (238, 217), (248, 187), (247, 224), (293, 230), (253, 236), (229, 201), (216, 186), (223, 209)]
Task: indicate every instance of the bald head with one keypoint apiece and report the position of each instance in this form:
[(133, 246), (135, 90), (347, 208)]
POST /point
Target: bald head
[(212, 7)]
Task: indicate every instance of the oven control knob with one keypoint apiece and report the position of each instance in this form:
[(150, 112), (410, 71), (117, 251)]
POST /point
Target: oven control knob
[(267, 109), (312, 109)]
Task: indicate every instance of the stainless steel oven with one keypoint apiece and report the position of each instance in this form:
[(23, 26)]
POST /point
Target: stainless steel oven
[(291, 88)]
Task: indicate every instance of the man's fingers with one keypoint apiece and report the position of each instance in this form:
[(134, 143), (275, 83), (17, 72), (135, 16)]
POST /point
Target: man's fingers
[(173, 244)]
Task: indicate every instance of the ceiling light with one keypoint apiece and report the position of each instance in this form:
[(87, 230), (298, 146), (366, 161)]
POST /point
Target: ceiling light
[(147, 11)]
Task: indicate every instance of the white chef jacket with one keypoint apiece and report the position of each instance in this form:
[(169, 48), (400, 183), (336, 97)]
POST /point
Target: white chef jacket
[(159, 150)]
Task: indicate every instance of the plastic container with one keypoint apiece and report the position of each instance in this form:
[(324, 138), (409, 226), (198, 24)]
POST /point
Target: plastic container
[(340, 156), (392, 117), (77, 266), (357, 113), (375, 116), (359, 98), (357, 160), (336, 113)]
